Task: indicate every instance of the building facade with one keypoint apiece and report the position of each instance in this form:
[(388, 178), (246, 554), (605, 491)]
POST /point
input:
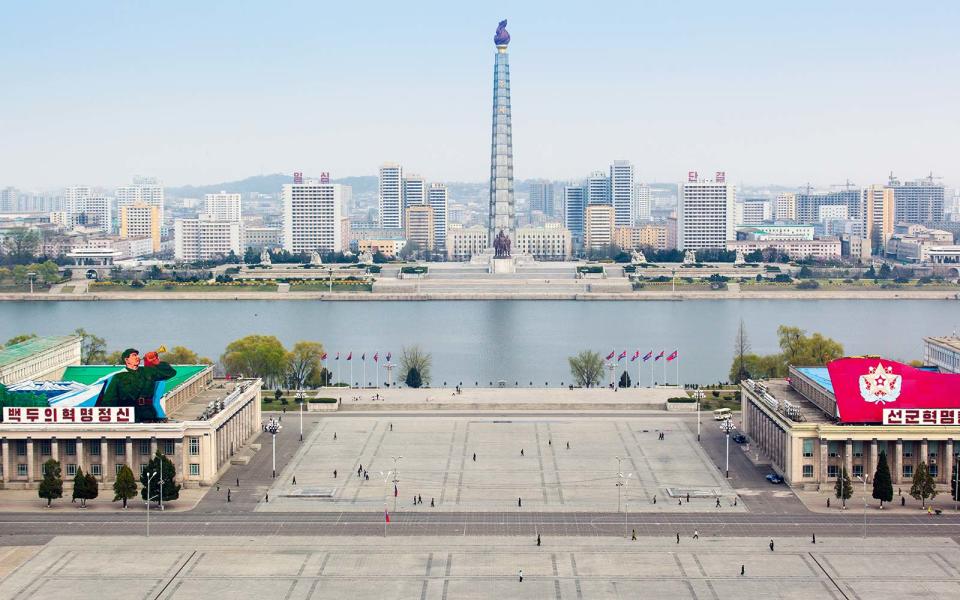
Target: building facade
[(541, 197), (419, 226), (438, 198), (311, 217), (551, 242), (222, 207), (706, 215), (600, 222), (919, 201), (809, 205), (785, 207), (466, 242), (390, 196), (622, 175), (203, 239), (574, 208), (141, 220), (820, 249), (144, 190)]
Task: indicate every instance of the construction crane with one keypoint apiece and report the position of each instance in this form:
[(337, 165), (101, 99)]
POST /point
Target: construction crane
[(931, 177), (847, 186)]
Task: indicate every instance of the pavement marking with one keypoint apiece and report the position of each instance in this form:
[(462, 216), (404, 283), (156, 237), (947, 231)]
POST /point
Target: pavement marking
[(829, 576), (446, 469), (543, 480), (556, 465), (463, 461), (171, 578)]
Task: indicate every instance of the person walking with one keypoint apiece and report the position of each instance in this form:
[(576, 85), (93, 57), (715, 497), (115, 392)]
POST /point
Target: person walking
[(538, 540), (519, 502), (771, 545), (696, 534), (268, 496), (654, 498), (419, 499), (228, 494), (431, 503), (391, 426), (521, 575), (294, 480), (334, 473), (678, 537), (634, 536), (414, 500), (814, 539), (334, 436), (521, 451), (568, 445), (238, 481), (474, 457), (718, 501), (742, 569), (688, 497)]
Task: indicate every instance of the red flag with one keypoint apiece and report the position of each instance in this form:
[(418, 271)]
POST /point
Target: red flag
[(611, 355), (386, 515), (657, 357), (376, 355), (648, 356), (673, 355), (323, 356), (622, 356), (350, 356), (635, 356)]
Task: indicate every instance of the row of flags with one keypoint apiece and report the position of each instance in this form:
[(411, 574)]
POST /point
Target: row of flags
[(673, 355), (376, 356)]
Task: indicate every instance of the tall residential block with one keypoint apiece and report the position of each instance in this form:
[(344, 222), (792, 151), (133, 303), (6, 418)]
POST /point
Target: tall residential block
[(414, 191), (878, 215), (9, 199), (600, 223), (312, 214), (621, 191), (143, 190), (919, 201), (390, 196), (141, 220), (810, 203), (438, 200), (785, 207), (575, 205), (419, 226), (541, 197), (222, 207), (641, 202), (96, 211), (73, 198), (598, 188), (706, 215), (204, 239)]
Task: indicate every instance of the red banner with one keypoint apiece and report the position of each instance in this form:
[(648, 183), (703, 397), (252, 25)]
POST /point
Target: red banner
[(866, 388)]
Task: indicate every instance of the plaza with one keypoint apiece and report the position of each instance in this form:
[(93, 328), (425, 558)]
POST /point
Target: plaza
[(438, 465)]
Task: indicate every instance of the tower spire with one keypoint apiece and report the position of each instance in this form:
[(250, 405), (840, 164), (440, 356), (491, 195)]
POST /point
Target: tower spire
[(501, 151)]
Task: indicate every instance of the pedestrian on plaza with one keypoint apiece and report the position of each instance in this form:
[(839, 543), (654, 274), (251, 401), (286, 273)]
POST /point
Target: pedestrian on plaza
[(521, 451), (735, 500), (431, 503), (359, 470), (538, 540), (238, 481), (678, 537), (718, 501), (228, 494), (519, 502), (474, 457), (334, 473), (742, 569), (568, 445), (549, 442), (414, 500), (420, 499), (679, 501), (366, 476), (268, 496), (218, 487), (899, 491), (903, 501), (654, 498), (521, 575), (814, 540), (828, 501), (634, 537), (294, 480), (771, 545), (334, 436), (696, 534)]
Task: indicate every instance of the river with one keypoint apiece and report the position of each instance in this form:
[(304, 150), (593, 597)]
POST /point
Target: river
[(489, 341)]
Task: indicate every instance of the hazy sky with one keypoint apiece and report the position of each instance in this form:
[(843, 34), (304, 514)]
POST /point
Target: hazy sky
[(202, 92)]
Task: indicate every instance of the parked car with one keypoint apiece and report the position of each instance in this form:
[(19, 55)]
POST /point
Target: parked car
[(739, 438), (774, 478)]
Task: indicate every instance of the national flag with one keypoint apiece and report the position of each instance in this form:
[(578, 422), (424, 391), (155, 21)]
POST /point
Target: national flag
[(673, 355), (647, 356), (388, 356), (621, 356), (323, 356), (658, 357), (611, 355), (386, 515), (376, 355), (363, 356), (350, 356), (635, 356), (338, 356)]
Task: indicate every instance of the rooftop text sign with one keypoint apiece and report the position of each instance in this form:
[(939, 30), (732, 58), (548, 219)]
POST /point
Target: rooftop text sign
[(79, 415)]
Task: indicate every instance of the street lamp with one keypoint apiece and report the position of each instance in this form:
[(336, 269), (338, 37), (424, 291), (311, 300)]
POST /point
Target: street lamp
[(619, 480), (272, 427), (386, 480), (396, 479), (626, 502), (864, 480), (32, 275), (727, 426), (331, 280), (300, 400), (148, 501)]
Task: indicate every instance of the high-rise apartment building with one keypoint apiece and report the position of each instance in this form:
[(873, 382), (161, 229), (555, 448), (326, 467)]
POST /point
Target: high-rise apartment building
[(600, 223), (575, 205), (96, 211), (205, 239), (312, 214), (706, 215), (809, 203), (753, 211), (918, 201), (541, 197), (222, 207), (390, 196), (73, 197), (438, 200), (785, 207), (598, 188), (419, 226), (621, 191), (641, 202), (141, 220), (414, 191), (878, 214), (144, 190), (8, 199)]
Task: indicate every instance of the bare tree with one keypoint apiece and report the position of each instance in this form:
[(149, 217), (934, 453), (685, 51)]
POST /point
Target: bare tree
[(741, 347), (414, 357)]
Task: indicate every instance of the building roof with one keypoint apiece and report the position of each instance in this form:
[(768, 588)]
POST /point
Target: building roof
[(17, 352), (88, 374), (819, 375), (951, 342)]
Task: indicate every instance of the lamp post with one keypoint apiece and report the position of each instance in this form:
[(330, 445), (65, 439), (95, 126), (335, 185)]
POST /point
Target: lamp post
[(626, 502), (272, 427), (331, 280), (396, 479), (698, 414), (300, 400), (619, 480), (864, 480), (148, 502), (613, 368), (726, 427), (160, 482), (32, 275), (386, 480)]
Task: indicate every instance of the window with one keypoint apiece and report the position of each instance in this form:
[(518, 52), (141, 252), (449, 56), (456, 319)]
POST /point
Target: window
[(119, 448), (908, 470), (833, 449), (832, 470), (933, 470), (933, 450), (145, 447), (195, 469), (94, 449), (70, 446), (857, 449), (808, 448), (808, 470), (118, 467), (71, 469), (21, 447), (858, 470), (96, 469), (22, 470), (168, 447), (194, 446), (45, 448), (907, 449)]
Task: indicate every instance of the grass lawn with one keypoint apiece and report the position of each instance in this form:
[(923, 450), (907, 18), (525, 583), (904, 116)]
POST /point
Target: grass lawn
[(337, 287), (67, 289)]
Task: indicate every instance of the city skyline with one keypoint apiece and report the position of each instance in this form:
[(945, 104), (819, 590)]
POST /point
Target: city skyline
[(209, 97)]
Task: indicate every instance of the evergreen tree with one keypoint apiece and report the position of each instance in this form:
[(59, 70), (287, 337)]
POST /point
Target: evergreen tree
[(413, 378), (92, 488), (625, 380), (882, 483), (923, 486), (953, 481), (80, 488), (51, 487), (166, 472), (125, 487), (843, 489)]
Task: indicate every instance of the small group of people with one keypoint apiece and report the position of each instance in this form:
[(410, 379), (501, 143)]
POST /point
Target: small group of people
[(662, 435), (418, 499)]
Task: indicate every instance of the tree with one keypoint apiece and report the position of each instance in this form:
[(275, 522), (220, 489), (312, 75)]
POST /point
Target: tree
[(48, 271), (413, 378), (20, 338), (51, 487), (741, 347), (625, 380), (256, 356), (885, 271), (843, 489), (319, 378), (805, 272), (181, 355), (80, 491), (164, 483), (924, 486), (278, 394), (882, 483), (21, 244), (93, 349), (125, 487), (413, 357), (91, 487), (410, 249), (586, 368), (115, 358), (303, 361)]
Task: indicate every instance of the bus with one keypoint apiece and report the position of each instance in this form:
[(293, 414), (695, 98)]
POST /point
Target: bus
[(721, 414)]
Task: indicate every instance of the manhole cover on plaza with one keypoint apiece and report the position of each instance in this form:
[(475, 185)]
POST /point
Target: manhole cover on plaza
[(693, 493)]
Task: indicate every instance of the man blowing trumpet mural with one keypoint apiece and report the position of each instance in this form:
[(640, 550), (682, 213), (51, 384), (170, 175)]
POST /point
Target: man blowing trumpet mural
[(136, 386)]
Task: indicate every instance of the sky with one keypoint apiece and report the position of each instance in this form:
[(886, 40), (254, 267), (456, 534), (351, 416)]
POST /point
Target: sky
[(202, 92)]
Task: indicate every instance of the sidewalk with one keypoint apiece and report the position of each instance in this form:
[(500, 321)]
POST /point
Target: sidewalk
[(28, 501)]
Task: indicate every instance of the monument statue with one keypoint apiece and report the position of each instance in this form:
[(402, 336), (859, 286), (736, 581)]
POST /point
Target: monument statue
[(689, 257), (315, 259), (638, 258), (501, 245), (502, 37), (265, 257), (740, 259), (366, 258)]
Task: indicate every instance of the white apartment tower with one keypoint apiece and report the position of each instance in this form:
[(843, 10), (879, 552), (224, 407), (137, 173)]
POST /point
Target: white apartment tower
[(390, 196), (438, 200), (621, 191), (414, 191), (97, 212), (598, 188), (785, 207), (203, 239), (706, 215), (144, 190), (73, 198), (311, 217), (222, 207), (641, 203)]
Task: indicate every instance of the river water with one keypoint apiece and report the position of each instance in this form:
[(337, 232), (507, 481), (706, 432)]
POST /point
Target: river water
[(489, 341)]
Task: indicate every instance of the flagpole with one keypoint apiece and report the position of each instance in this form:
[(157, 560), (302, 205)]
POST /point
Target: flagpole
[(651, 374), (363, 359), (339, 381), (638, 370), (350, 360), (664, 372), (678, 369), (376, 367)]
